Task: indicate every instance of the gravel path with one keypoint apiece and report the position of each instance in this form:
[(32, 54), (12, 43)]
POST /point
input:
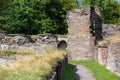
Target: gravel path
[(82, 73)]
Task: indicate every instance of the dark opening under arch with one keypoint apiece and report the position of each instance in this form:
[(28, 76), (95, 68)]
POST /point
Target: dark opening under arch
[(62, 45)]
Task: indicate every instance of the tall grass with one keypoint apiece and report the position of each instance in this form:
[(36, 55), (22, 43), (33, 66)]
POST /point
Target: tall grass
[(36, 67)]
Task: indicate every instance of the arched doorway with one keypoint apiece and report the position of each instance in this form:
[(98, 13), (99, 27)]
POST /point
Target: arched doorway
[(62, 45)]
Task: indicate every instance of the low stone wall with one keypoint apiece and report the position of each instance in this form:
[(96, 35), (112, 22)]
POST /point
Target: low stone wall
[(109, 29), (20, 39), (58, 72), (113, 58), (28, 43), (34, 48), (109, 56)]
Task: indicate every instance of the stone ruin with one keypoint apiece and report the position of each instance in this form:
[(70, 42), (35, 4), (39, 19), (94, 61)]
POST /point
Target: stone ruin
[(109, 29), (31, 43), (85, 31)]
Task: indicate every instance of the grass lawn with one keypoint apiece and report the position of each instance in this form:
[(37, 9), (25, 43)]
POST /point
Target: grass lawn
[(69, 73), (99, 72)]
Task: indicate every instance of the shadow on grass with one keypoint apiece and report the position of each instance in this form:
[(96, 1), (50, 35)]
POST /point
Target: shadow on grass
[(69, 73)]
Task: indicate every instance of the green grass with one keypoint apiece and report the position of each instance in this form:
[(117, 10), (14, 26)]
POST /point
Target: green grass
[(99, 71), (69, 73), (8, 52)]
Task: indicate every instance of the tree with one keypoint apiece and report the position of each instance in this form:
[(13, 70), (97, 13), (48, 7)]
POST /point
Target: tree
[(38, 16), (109, 9), (3, 9), (25, 16)]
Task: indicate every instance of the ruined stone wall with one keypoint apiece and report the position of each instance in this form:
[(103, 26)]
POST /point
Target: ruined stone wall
[(109, 56), (109, 29), (28, 43), (16, 39), (113, 58), (83, 29), (108, 51)]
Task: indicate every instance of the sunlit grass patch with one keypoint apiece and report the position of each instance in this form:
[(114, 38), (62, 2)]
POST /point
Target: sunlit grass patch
[(69, 73), (8, 52), (99, 71)]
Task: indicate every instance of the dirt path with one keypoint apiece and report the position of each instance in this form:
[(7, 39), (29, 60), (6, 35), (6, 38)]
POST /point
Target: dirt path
[(82, 73)]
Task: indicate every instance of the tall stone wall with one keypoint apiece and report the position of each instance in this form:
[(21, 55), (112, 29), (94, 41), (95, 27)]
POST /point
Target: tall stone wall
[(84, 30)]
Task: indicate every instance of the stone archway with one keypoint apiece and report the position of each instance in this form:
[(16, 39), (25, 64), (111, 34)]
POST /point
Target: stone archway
[(62, 45)]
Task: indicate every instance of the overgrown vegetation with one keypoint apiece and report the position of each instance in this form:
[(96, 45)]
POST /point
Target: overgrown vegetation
[(99, 72), (36, 67), (35, 16), (69, 73), (110, 9)]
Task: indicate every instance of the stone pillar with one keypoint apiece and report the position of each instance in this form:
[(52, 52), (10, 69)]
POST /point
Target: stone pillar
[(81, 33)]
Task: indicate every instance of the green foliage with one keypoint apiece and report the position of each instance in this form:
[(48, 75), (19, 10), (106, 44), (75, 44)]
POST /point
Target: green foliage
[(99, 72), (110, 9), (3, 9), (8, 52), (38, 16), (3, 5)]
